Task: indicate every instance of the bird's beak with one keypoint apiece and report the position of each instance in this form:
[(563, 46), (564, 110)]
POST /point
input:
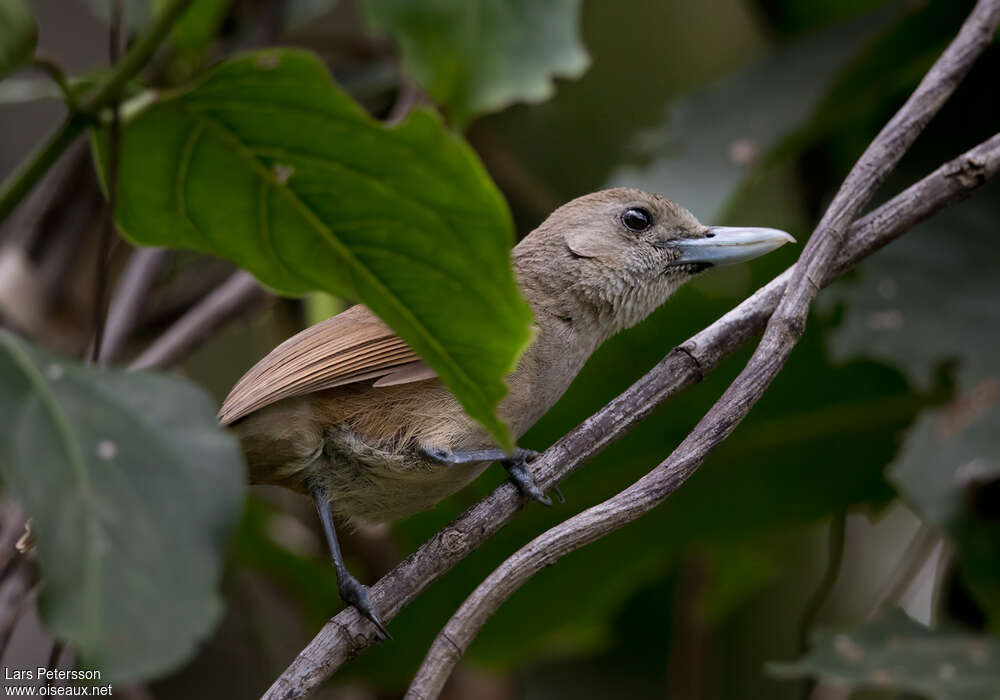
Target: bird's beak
[(728, 245)]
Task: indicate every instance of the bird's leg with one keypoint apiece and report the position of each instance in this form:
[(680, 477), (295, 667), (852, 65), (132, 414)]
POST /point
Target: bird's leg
[(514, 464), (352, 591)]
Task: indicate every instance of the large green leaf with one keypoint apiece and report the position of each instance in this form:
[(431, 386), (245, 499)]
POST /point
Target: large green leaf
[(478, 56), (265, 162), (898, 653), (133, 490), (18, 35)]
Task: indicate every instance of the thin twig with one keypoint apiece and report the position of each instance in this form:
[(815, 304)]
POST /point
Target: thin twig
[(348, 634), (689, 664), (114, 148), (18, 592), (22, 181), (54, 655), (781, 334), (234, 296), (58, 76), (409, 97), (835, 560), (128, 301)]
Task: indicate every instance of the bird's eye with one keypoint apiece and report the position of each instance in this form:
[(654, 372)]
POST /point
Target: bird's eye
[(637, 219)]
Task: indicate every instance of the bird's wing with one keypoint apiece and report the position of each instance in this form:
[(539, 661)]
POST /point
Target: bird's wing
[(353, 346)]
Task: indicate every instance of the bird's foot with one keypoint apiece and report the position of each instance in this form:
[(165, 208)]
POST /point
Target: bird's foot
[(516, 466), (355, 593)]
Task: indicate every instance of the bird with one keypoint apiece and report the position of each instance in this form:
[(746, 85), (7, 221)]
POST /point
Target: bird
[(347, 413)]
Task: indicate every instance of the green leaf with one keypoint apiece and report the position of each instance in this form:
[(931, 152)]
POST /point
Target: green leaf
[(18, 35), (133, 491), (266, 163), (898, 653), (478, 56), (926, 302), (198, 25)]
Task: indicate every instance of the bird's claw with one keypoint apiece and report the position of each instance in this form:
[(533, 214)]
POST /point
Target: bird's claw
[(520, 475), (354, 593)]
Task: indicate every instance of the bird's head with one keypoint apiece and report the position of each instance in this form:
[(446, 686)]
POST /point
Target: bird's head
[(620, 253)]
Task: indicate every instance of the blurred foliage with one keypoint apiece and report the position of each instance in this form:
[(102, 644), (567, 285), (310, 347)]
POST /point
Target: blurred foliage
[(711, 139), (136, 13), (132, 489), (265, 162), (18, 35), (950, 459), (478, 56), (194, 32), (898, 653), (301, 12)]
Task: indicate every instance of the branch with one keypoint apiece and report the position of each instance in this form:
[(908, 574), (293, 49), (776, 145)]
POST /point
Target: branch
[(144, 266), (21, 182), (226, 302), (348, 634), (114, 153), (783, 330), (24, 179), (836, 539)]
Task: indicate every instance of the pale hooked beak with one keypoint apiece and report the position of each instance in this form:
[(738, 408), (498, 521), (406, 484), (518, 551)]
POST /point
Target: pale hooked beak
[(728, 245)]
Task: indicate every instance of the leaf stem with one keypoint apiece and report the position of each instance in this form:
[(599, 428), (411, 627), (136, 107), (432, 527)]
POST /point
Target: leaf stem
[(835, 561), (25, 178), (22, 180), (137, 56), (58, 76)]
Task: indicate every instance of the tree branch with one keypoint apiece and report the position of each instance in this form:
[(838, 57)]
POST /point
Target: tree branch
[(144, 266), (781, 334), (348, 634), (227, 301)]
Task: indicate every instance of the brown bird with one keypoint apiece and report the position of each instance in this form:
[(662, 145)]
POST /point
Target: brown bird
[(347, 412)]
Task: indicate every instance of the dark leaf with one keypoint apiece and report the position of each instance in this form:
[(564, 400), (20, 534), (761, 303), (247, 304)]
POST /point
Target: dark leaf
[(898, 653), (925, 302), (478, 56), (132, 490)]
